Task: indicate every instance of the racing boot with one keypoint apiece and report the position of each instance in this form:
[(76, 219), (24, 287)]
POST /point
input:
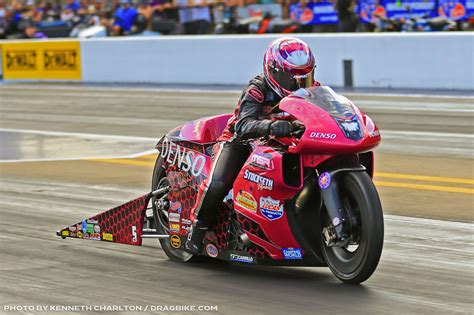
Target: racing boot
[(195, 242)]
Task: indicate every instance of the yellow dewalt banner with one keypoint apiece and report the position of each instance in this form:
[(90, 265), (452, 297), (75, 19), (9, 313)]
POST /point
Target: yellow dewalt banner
[(41, 60)]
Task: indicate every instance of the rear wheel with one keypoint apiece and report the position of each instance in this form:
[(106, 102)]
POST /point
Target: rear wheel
[(160, 206), (355, 262)]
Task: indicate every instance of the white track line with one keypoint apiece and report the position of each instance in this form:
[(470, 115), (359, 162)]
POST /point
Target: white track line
[(210, 91), (80, 135), (431, 222), (424, 134), (103, 157), (83, 136)]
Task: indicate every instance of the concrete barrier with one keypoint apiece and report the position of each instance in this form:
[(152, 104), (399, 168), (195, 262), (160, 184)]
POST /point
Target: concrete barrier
[(399, 60), (433, 61)]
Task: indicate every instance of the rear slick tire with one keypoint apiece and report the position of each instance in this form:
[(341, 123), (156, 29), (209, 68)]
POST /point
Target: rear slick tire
[(358, 193), (159, 179)]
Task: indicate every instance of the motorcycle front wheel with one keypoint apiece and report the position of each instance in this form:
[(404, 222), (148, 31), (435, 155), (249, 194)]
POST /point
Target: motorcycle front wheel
[(357, 261)]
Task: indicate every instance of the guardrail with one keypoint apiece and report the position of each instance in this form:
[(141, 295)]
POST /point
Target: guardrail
[(400, 60)]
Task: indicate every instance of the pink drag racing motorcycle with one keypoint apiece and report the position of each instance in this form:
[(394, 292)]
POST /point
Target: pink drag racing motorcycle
[(307, 200)]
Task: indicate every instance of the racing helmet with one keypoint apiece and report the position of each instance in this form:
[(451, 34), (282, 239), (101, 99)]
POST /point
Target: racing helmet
[(288, 65)]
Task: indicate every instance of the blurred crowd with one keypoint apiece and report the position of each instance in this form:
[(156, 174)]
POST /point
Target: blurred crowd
[(62, 18)]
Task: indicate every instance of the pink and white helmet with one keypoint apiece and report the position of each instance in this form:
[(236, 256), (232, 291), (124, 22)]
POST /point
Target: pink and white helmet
[(288, 65)]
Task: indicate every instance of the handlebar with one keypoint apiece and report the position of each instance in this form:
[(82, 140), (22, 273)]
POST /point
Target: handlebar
[(298, 127)]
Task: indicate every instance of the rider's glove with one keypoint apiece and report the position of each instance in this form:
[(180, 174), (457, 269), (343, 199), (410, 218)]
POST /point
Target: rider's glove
[(281, 128)]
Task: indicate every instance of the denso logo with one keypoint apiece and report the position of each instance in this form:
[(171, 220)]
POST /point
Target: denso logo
[(322, 135), (186, 159)]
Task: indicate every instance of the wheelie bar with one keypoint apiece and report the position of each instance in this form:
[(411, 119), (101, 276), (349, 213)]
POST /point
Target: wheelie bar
[(122, 224)]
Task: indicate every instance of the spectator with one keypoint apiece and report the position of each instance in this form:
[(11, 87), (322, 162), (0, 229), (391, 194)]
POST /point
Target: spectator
[(13, 26), (67, 15), (195, 15), (49, 13), (3, 19), (163, 16), (72, 5), (92, 15), (32, 32), (348, 20), (125, 17)]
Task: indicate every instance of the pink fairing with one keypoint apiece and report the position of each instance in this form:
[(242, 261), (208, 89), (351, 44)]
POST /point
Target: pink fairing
[(204, 130), (276, 229), (322, 135)]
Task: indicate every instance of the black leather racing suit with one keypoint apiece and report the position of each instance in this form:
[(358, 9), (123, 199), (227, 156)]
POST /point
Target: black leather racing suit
[(250, 121)]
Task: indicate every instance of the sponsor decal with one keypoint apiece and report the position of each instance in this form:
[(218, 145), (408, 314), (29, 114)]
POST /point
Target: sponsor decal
[(186, 159), (107, 237), (270, 208), (95, 236), (87, 227), (72, 234), (256, 94), (374, 133), (211, 250), (306, 16), (186, 221), (369, 124), (350, 125), (60, 60), (324, 180), (262, 161), (96, 228), (65, 233), (134, 234), (72, 228), (247, 201), (92, 221), (42, 60), (174, 227), (85, 235), (322, 135), (21, 60), (175, 241), (79, 234), (263, 182), (84, 226), (79, 227), (292, 253), (241, 258), (173, 217), (300, 76), (176, 207), (90, 228)]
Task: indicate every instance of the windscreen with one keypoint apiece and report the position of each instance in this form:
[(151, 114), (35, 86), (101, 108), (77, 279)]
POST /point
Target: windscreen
[(328, 100), (337, 106)]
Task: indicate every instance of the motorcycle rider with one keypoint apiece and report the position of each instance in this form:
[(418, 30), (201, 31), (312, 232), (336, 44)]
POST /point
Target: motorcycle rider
[(287, 66)]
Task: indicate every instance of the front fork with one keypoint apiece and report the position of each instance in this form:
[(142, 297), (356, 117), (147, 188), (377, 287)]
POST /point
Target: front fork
[(335, 233)]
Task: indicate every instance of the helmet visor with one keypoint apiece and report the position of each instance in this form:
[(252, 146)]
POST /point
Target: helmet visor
[(291, 82)]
